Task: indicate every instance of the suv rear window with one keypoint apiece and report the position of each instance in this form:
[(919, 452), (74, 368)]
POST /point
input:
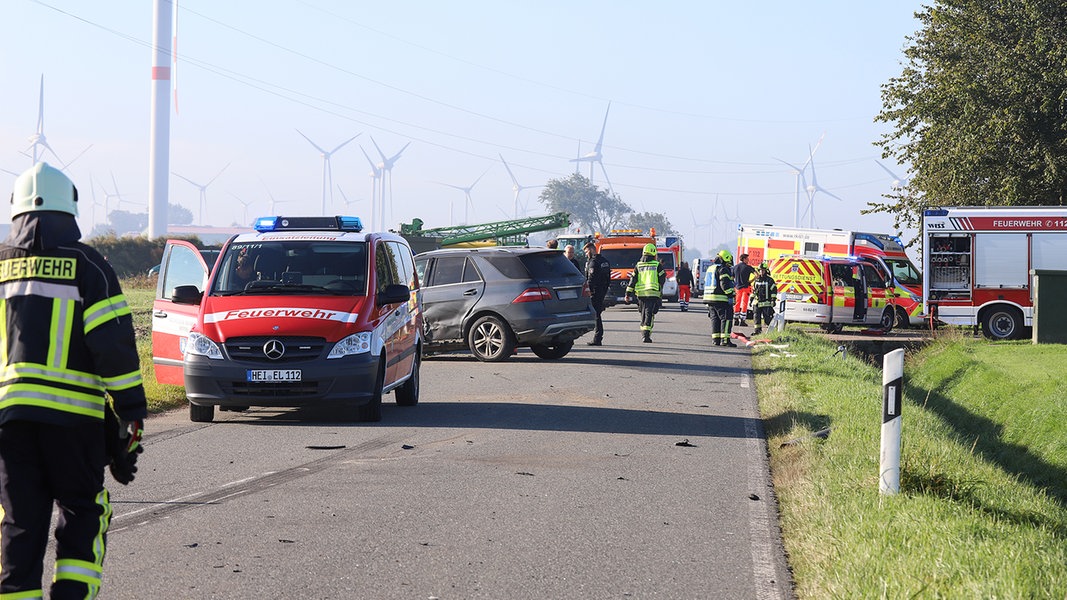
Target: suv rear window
[(546, 265)]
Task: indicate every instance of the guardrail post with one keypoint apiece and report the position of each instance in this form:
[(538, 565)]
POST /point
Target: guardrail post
[(892, 395)]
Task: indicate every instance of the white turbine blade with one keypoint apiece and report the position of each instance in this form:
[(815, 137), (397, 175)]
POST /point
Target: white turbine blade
[(796, 169), (604, 171), (311, 142), (40, 109), (185, 178), (811, 152), (65, 166), (342, 144), (479, 178), (380, 153), (210, 181), (600, 140), (510, 174), (396, 157)]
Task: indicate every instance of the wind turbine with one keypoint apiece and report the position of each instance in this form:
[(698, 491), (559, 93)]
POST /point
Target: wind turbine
[(38, 139), (387, 176), (799, 173), (515, 185), (814, 188), (244, 209), (596, 156), (897, 181), (108, 196), (467, 195), (327, 171), (203, 189), (376, 183), (347, 201), (697, 226)]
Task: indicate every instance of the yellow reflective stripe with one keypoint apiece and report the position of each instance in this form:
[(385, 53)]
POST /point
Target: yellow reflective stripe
[(59, 332), (26, 595), (122, 382), (78, 570), (100, 540), (67, 376), (42, 396), (105, 310)]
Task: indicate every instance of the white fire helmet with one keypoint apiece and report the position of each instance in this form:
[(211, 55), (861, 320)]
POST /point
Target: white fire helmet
[(44, 187)]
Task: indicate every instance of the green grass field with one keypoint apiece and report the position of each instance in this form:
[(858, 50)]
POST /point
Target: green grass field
[(983, 506), (982, 511)]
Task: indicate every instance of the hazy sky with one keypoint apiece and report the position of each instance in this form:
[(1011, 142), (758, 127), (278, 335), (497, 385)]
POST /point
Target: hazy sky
[(705, 95)]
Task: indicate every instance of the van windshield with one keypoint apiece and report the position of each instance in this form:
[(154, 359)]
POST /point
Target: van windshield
[(292, 267), (903, 271)]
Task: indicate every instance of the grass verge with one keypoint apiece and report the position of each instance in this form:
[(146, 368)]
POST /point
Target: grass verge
[(982, 511)]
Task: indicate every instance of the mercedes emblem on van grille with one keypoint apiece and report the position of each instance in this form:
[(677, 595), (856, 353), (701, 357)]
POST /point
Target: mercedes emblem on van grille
[(274, 349)]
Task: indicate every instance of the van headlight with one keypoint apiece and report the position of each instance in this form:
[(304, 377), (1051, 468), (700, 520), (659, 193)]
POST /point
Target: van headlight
[(201, 345), (357, 343)]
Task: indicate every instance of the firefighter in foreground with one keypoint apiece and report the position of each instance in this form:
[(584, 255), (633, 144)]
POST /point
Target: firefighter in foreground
[(764, 297), (66, 343), (719, 295), (646, 283)]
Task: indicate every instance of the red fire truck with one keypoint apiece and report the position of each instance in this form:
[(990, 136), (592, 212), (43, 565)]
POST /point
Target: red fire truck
[(978, 263)]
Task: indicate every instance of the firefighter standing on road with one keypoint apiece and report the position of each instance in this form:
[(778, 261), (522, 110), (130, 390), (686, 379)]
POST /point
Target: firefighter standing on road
[(743, 275), (764, 296), (684, 277), (646, 283), (66, 339), (718, 294)]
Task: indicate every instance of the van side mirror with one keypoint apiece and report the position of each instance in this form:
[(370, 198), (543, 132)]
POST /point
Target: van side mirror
[(394, 294), (187, 294)]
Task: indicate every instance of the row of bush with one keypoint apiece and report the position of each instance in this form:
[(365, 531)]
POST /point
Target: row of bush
[(131, 256)]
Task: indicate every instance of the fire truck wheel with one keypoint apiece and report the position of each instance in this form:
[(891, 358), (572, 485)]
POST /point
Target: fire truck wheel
[(371, 412), (1002, 323), (490, 339)]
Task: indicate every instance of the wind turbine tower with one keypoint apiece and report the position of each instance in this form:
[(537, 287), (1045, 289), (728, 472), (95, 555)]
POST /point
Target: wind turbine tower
[(814, 188), (327, 171), (38, 139), (468, 203), (596, 156), (515, 185), (376, 183)]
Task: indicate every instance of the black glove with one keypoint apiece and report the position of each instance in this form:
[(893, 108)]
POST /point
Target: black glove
[(123, 443)]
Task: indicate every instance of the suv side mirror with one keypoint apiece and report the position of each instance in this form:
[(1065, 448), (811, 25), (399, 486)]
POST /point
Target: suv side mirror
[(187, 294), (394, 294)]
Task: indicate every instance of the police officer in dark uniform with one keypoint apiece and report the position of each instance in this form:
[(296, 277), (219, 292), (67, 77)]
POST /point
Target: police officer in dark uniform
[(67, 343), (598, 276)]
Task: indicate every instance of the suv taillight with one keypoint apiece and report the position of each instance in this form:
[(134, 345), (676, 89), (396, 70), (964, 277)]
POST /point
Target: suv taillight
[(538, 294)]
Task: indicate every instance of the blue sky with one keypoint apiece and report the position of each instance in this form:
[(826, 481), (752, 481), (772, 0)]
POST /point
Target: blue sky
[(704, 97)]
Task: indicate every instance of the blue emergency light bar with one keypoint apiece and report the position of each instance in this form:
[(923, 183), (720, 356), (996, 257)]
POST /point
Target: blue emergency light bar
[(935, 212), (337, 223)]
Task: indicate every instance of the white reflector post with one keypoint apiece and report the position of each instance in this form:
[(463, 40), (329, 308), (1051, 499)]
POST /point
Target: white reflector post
[(892, 395)]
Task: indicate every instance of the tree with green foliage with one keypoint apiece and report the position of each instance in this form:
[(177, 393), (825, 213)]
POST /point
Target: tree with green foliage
[(649, 220), (178, 214), (591, 208), (980, 109)]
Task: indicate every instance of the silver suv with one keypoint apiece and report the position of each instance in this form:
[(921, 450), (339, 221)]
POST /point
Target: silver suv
[(494, 300)]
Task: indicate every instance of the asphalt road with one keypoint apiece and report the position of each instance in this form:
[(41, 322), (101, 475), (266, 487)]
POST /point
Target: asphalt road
[(524, 479)]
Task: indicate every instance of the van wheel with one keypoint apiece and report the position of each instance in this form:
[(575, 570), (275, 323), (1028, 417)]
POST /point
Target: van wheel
[(408, 393), (832, 327), (201, 414), (490, 339), (552, 351), (1002, 323), (889, 317), (371, 412), (903, 320)]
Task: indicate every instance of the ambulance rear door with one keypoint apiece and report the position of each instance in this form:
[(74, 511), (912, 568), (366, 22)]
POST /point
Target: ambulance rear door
[(173, 316)]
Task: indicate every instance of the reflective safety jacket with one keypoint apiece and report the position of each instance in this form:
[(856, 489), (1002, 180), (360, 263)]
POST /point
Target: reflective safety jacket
[(66, 331), (764, 291), (647, 279), (719, 284)]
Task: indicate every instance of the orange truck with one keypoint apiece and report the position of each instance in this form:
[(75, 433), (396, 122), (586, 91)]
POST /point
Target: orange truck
[(622, 248)]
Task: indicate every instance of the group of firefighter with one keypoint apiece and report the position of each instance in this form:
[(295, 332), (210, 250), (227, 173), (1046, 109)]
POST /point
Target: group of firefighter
[(729, 292)]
